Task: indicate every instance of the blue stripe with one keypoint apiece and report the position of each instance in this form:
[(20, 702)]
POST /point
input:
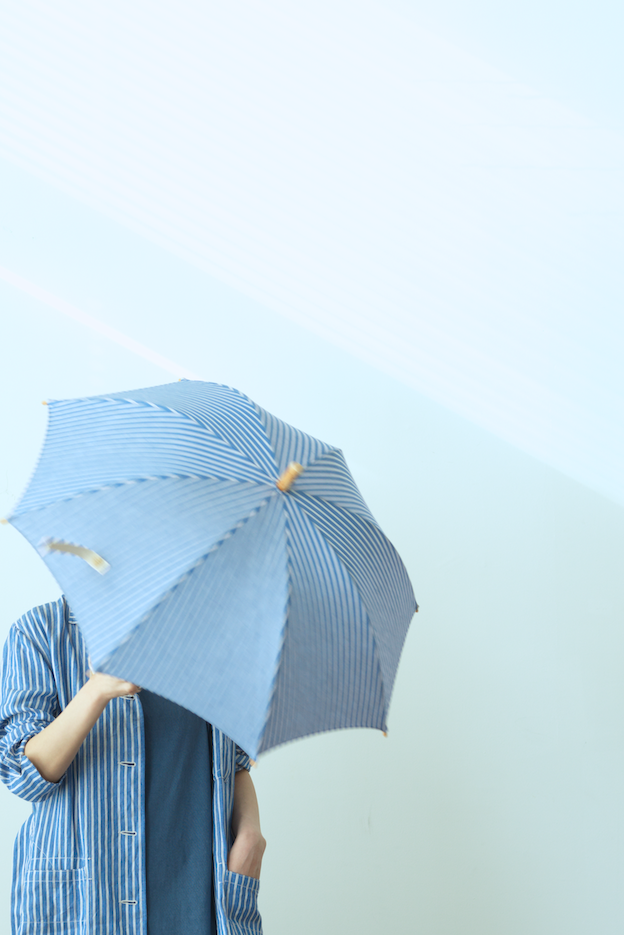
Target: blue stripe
[(100, 441), (288, 443), (221, 409), (329, 478), (329, 675), (376, 571)]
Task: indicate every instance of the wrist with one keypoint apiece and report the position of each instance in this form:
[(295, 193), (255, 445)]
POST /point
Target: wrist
[(247, 851), (95, 692), (252, 837)]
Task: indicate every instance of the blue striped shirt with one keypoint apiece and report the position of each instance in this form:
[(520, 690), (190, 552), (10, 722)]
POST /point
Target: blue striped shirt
[(79, 863)]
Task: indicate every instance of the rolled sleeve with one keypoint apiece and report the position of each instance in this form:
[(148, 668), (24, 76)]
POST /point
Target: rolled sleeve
[(242, 760), (29, 703)]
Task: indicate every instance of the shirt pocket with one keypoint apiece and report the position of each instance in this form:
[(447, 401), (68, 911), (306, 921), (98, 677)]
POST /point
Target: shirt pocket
[(241, 903), (55, 890)]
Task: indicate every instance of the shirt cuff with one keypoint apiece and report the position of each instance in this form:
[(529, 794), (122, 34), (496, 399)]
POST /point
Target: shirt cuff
[(242, 760), (28, 783)]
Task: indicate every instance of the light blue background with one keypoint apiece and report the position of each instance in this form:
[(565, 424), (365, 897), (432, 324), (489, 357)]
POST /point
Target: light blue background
[(470, 404)]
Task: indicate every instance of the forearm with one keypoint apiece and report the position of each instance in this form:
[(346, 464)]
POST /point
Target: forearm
[(245, 811), (249, 845), (53, 749)]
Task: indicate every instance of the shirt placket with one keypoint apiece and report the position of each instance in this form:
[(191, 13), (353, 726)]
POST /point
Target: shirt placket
[(131, 825)]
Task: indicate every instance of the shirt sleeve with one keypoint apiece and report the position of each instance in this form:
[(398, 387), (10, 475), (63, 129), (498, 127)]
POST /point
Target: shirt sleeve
[(242, 760), (29, 703)]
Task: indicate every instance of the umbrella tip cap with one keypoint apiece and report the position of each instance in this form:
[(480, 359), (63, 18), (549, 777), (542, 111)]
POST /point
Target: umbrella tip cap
[(4, 522), (290, 475), (44, 402)]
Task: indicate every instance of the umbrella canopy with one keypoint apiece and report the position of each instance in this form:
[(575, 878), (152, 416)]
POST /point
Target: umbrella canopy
[(273, 609)]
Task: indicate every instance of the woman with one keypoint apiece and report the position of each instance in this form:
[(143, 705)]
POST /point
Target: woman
[(144, 817)]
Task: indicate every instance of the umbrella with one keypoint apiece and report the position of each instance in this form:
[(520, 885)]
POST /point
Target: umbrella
[(221, 558)]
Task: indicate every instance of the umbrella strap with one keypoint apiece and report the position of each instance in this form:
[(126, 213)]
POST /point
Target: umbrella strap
[(88, 555)]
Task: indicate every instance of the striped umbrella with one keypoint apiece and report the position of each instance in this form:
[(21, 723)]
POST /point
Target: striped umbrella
[(221, 558)]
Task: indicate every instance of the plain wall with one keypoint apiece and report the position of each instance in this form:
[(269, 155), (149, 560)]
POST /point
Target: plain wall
[(494, 806)]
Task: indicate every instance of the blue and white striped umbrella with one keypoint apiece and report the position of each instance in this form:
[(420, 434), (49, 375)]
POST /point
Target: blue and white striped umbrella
[(272, 613)]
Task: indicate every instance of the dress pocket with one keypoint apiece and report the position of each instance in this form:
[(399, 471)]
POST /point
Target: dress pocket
[(241, 903), (55, 890)]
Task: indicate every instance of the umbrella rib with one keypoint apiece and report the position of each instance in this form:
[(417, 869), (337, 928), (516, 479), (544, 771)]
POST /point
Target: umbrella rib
[(355, 587), (197, 564), (273, 690), (136, 480), (371, 631)]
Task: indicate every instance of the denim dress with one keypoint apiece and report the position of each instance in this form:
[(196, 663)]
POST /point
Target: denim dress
[(178, 819)]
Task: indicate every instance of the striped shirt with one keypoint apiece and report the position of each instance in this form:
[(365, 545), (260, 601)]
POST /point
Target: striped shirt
[(79, 863)]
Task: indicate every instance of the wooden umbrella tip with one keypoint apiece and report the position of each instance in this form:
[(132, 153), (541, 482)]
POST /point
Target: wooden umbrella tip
[(290, 475), (44, 402), (4, 522)]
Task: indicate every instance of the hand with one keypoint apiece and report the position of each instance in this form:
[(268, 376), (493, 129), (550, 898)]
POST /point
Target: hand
[(246, 854), (53, 749), (107, 686)]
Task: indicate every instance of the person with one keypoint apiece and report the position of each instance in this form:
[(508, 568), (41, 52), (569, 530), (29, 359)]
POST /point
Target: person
[(144, 819)]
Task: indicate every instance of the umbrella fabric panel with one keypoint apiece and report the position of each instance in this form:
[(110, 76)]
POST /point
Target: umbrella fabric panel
[(150, 532), (92, 443), (213, 643), (221, 409), (376, 571), (330, 478), (288, 443), (329, 675)]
